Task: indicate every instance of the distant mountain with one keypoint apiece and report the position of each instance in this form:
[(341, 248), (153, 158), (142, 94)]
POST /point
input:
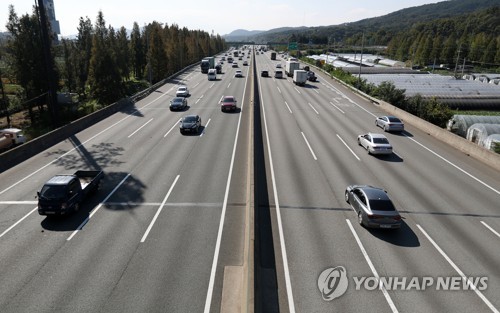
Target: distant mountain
[(397, 21), (241, 34)]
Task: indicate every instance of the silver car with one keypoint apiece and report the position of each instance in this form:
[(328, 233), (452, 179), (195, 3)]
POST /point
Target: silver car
[(375, 143), (390, 123), (182, 91), (372, 206)]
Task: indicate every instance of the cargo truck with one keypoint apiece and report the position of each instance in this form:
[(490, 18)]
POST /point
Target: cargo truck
[(291, 66), (207, 63), (299, 77), (273, 55), (62, 194)]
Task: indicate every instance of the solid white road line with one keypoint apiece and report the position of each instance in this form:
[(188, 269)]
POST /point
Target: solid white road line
[(370, 264), (310, 149), (97, 208), (18, 202), (138, 129), (210, 290), (455, 166), (345, 144), (313, 108), (337, 108), (171, 129), (490, 228), (15, 224), (204, 128), (159, 210), (288, 283), (479, 293)]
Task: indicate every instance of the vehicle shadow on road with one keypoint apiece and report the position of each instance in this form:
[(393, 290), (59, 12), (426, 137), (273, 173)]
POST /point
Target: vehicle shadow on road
[(404, 237), (393, 157), (127, 197)]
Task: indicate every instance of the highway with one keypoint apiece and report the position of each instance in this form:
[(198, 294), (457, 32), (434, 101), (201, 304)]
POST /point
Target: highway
[(168, 218), (449, 203), (167, 231)]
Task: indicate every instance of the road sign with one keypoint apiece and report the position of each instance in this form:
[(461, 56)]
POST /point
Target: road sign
[(292, 46)]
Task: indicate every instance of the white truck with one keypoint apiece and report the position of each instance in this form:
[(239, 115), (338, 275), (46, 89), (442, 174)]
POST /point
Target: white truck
[(290, 67), (299, 77)]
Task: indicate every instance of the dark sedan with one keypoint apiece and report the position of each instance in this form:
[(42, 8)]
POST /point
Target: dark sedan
[(372, 206), (190, 124), (178, 103)]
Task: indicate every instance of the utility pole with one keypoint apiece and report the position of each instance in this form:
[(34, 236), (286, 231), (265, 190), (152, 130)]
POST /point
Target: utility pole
[(51, 78)]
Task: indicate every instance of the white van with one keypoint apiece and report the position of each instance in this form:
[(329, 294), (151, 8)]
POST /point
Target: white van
[(15, 134), (212, 74)]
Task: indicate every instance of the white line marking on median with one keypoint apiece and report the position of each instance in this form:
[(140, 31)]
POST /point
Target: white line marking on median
[(455, 166), (345, 144), (467, 280), (18, 202), (370, 264), (205, 127), (210, 290), (490, 228), (94, 211), (15, 224), (138, 129), (171, 129), (310, 149), (313, 108), (288, 107), (337, 108), (288, 283), (159, 210)]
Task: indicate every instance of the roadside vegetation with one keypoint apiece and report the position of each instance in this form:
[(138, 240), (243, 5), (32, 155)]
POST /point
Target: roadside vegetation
[(97, 68)]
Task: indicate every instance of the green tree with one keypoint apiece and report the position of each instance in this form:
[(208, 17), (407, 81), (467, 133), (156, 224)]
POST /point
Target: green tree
[(137, 51), (104, 78), (83, 54), (387, 92)]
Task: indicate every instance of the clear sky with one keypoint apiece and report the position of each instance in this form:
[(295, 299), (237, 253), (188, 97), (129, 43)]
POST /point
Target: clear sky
[(221, 17)]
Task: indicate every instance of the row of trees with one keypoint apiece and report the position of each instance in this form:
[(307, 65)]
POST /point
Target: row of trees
[(474, 38), (101, 62)]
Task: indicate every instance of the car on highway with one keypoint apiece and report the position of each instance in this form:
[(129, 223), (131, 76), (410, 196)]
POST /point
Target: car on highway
[(228, 103), (375, 143), (245, 63), (264, 73), (373, 206), (278, 74), (390, 123), (190, 124), (278, 65), (182, 91), (238, 73), (178, 103), (235, 64)]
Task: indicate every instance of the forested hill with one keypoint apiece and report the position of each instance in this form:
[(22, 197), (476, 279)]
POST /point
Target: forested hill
[(386, 26)]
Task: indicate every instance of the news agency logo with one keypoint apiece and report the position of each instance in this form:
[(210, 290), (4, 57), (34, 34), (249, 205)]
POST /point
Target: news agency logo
[(332, 283)]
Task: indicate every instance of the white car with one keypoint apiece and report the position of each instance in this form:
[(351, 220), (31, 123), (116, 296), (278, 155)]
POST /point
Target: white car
[(375, 143), (245, 63), (182, 91), (15, 134), (238, 73)]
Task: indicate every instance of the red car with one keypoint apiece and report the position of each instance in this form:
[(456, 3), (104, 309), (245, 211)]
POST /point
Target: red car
[(228, 103)]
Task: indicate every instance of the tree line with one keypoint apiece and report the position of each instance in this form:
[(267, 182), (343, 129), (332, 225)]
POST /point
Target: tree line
[(102, 63)]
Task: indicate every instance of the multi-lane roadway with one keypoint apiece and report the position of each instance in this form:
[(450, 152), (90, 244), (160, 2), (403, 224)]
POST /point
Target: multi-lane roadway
[(168, 230)]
